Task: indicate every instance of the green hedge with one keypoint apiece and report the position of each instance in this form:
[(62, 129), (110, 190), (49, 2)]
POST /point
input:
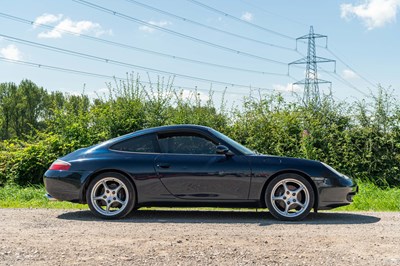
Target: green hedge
[(361, 139)]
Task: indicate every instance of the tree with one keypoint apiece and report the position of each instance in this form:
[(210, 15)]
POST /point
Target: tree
[(7, 108)]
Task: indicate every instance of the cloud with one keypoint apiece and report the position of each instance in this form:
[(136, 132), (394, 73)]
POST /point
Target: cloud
[(150, 29), (349, 74), (374, 13), (68, 25), (289, 87), (47, 18), (11, 52), (247, 16)]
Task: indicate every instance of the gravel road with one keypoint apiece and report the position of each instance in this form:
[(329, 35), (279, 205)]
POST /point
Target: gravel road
[(65, 237)]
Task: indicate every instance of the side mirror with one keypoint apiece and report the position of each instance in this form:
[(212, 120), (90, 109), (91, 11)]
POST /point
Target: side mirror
[(221, 149)]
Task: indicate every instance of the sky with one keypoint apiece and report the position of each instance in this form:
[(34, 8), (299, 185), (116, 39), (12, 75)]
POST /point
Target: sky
[(236, 46)]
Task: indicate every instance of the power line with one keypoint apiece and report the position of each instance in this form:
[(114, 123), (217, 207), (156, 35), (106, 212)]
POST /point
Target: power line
[(352, 69), (96, 75), (339, 78), (130, 18), (119, 63), (126, 46), (325, 47), (43, 66), (348, 66), (317, 45), (240, 20), (274, 14), (208, 27), (343, 81)]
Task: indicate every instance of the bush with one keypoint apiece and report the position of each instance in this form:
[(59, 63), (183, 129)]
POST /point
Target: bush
[(26, 162), (361, 140)]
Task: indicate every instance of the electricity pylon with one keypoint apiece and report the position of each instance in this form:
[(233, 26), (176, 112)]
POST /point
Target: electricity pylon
[(311, 95)]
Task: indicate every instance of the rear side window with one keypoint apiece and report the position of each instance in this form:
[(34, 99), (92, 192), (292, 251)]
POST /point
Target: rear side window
[(143, 144)]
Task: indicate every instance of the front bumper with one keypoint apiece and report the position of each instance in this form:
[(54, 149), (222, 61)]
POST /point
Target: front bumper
[(351, 194), (333, 197)]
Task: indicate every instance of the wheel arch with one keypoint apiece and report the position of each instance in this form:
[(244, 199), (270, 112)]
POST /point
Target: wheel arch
[(102, 171), (307, 177)]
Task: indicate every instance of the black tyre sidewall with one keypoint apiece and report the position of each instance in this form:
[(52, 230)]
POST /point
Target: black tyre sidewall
[(129, 186), (279, 178)]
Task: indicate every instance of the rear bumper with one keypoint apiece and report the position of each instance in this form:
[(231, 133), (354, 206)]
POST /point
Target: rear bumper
[(65, 185), (50, 197)]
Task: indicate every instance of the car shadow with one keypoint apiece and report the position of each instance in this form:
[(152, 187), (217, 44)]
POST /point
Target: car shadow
[(262, 218)]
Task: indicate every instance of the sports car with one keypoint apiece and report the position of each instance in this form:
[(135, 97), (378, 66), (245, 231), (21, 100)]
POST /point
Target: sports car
[(192, 166)]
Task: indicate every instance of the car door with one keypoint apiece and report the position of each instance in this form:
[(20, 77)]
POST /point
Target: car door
[(136, 156), (189, 168)]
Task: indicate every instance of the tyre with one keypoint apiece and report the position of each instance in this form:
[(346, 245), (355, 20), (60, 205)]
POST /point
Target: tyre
[(289, 197), (110, 196)]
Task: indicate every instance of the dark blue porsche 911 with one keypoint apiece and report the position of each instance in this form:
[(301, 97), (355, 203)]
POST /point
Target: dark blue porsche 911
[(190, 165)]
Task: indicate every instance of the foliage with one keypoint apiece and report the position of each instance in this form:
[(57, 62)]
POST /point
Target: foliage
[(24, 163), (362, 141), (22, 108), (36, 127)]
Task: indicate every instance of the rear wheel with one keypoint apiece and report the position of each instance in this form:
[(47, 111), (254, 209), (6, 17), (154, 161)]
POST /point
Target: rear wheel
[(289, 197), (111, 196)]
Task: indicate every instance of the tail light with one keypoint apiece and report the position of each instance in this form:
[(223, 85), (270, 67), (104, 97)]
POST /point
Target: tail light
[(60, 165)]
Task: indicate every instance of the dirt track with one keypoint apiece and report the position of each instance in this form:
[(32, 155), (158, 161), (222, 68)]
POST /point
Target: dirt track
[(58, 237)]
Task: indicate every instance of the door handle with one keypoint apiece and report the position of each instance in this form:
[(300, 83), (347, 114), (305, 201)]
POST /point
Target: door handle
[(163, 165)]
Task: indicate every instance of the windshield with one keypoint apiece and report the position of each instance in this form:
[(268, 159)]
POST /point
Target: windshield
[(232, 143)]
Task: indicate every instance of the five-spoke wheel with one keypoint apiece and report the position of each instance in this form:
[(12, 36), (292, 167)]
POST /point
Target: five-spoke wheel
[(289, 197), (110, 196)]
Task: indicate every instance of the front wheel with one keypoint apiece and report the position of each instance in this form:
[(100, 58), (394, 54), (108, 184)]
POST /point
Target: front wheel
[(110, 196), (289, 197)]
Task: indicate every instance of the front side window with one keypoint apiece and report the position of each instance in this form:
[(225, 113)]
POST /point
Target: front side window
[(143, 144), (186, 144), (232, 143)]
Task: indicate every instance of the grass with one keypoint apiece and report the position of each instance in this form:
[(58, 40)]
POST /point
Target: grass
[(373, 198), (370, 198), (31, 197)]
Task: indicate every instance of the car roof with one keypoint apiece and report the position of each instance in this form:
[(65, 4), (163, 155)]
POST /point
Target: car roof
[(173, 127), (168, 128)]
